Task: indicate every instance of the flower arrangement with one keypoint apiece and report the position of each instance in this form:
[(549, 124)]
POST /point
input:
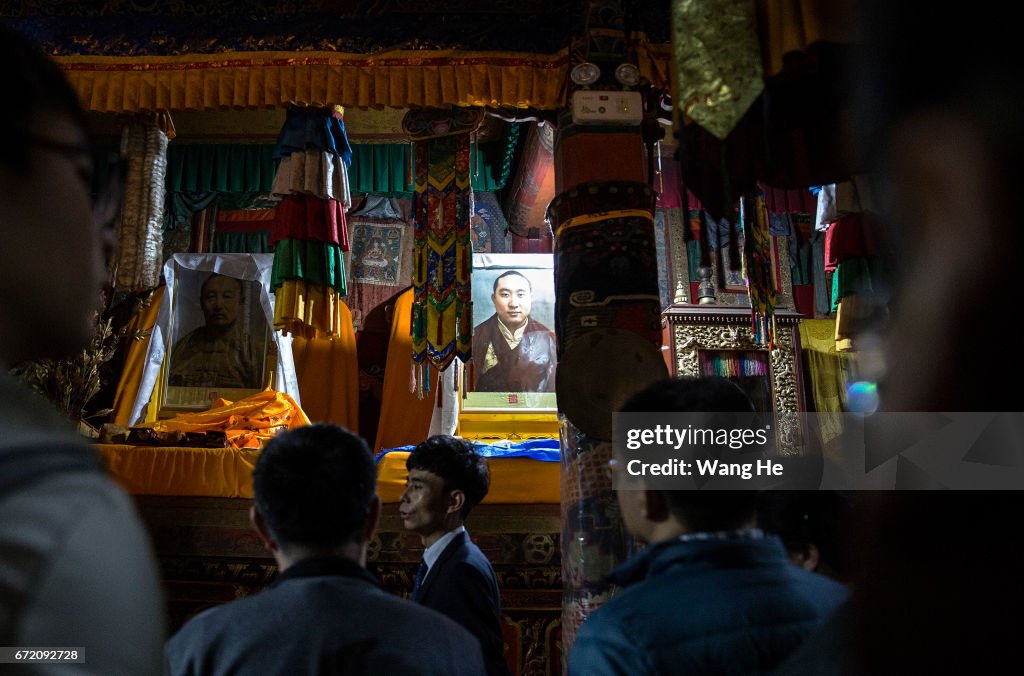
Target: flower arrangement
[(72, 383)]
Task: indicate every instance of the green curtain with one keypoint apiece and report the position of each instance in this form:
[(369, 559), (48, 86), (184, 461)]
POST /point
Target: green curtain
[(380, 168), (376, 167), (220, 168), (256, 242)]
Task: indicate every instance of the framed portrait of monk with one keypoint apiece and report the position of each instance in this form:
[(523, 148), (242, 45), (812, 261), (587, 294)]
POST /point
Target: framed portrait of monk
[(514, 349), (219, 340)]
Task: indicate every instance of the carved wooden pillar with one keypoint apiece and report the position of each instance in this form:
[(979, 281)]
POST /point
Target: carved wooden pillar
[(606, 290)]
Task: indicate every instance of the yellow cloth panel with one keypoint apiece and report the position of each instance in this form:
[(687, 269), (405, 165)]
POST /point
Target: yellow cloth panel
[(514, 481), (134, 361), (828, 371), (787, 26), (404, 417), (850, 316), (328, 375), (310, 310), (248, 422), (818, 334), (154, 470), (227, 473), (399, 79)]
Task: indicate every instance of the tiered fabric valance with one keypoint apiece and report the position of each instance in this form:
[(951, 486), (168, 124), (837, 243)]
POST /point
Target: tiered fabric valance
[(310, 229), (267, 79)]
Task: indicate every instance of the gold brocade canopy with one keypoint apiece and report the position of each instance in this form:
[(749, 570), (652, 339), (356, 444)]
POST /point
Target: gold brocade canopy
[(399, 79), (271, 79)]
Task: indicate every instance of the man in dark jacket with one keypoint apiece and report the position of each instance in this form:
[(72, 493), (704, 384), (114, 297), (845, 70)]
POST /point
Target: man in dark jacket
[(447, 478), (315, 510), (511, 351), (711, 594)]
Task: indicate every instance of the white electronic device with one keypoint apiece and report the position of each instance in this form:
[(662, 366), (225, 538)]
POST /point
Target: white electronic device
[(607, 107)]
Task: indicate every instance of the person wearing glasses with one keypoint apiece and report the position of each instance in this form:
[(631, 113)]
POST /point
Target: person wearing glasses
[(76, 566)]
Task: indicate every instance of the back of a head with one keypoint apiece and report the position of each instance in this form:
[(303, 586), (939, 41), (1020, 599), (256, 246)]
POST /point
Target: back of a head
[(704, 511), (38, 83), (803, 519), (710, 394), (314, 486), (458, 463)]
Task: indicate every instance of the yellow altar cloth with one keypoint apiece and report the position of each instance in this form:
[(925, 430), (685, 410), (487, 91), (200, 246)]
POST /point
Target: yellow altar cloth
[(160, 470), (227, 473), (513, 480)]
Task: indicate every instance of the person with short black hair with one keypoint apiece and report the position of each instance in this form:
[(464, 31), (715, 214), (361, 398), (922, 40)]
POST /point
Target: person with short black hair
[(512, 352), (315, 509), (710, 594), (447, 478), (77, 569), (811, 525)]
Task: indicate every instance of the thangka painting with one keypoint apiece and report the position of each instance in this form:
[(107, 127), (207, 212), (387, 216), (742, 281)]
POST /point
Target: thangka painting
[(377, 253)]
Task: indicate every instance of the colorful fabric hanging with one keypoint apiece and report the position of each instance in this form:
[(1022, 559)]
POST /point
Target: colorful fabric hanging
[(323, 129), (760, 279), (310, 262), (442, 311), (318, 173), (490, 229), (733, 364), (309, 310), (310, 232), (305, 217)]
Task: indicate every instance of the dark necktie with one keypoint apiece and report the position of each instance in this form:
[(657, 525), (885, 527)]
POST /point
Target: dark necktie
[(421, 573)]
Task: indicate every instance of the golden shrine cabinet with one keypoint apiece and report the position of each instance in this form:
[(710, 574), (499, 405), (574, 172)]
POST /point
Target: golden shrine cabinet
[(705, 340)]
